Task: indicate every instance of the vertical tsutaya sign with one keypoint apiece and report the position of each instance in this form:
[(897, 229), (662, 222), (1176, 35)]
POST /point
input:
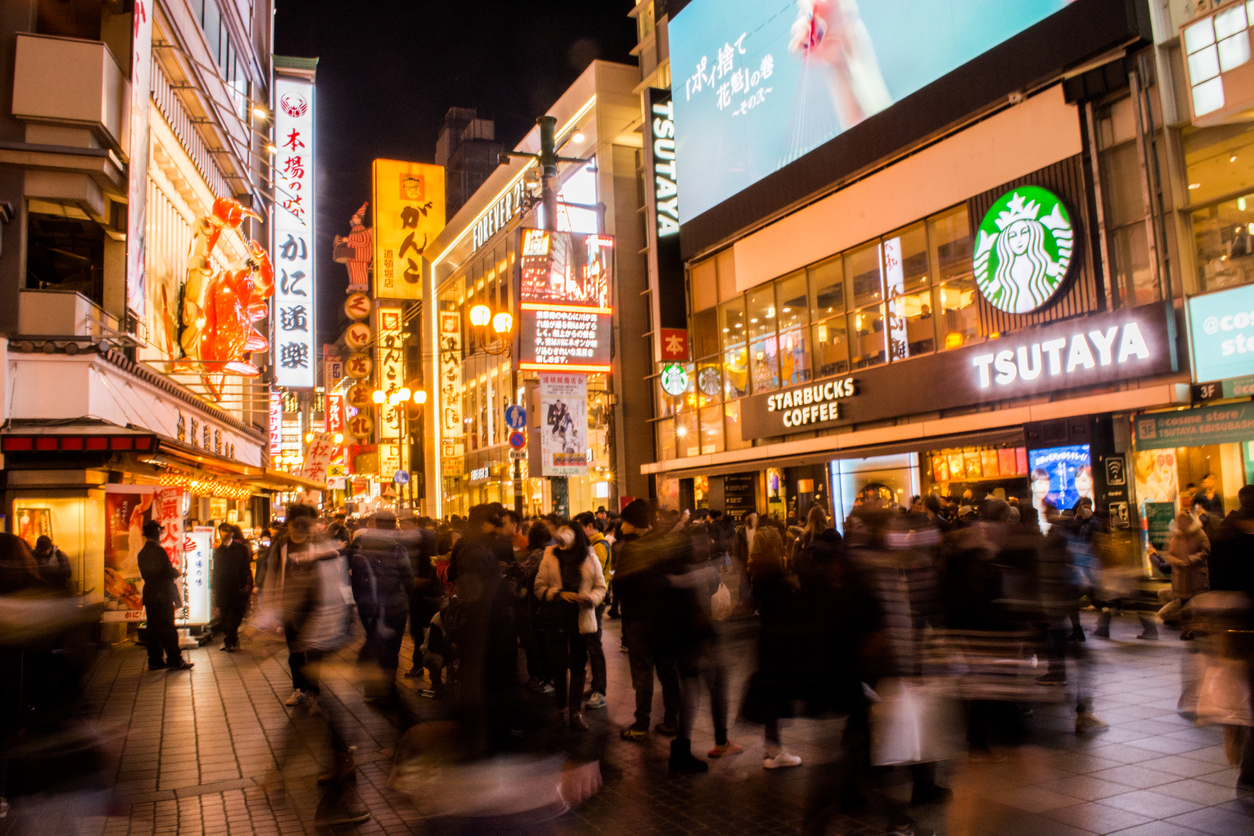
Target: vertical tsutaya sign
[(391, 371), (564, 433), (408, 214), (294, 213), (276, 423), (137, 172), (451, 429), (664, 209), (565, 300)]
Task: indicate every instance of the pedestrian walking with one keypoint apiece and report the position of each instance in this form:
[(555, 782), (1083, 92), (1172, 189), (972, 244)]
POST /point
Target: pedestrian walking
[(382, 579), (596, 653), (232, 583), (161, 598), (1188, 552)]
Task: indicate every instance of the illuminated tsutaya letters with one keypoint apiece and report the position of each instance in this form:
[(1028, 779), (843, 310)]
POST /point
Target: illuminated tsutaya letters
[(293, 250), (665, 178), (1063, 355)]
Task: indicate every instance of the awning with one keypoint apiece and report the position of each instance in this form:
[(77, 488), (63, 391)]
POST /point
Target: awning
[(262, 478)]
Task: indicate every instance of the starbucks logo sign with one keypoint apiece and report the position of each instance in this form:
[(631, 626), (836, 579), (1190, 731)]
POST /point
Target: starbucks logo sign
[(1023, 250), (674, 380)]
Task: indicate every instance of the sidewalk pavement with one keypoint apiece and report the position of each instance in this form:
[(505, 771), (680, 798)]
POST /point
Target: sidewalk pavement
[(214, 751)]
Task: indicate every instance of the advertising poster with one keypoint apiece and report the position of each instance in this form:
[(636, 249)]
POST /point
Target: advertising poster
[(565, 300), (127, 508), (33, 523), (564, 427), (758, 84), (1158, 518), (198, 552), (408, 214), (1060, 475)]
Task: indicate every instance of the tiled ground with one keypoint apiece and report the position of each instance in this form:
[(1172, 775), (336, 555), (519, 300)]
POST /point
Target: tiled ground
[(214, 751)]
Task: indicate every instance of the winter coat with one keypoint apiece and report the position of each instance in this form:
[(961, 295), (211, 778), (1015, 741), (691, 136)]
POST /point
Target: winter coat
[(591, 586), (232, 574), (159, 576), (309, 588), (382, 575), (1188, 552)]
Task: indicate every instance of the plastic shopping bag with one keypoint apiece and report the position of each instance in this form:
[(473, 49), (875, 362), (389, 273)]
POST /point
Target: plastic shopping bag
[(721, 603), (912, 723)]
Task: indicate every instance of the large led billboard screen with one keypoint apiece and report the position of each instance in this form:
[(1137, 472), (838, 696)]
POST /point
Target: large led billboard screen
[(564, 290), (758, 84)]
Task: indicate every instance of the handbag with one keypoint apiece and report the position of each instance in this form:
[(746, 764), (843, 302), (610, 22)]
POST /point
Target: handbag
[(721, 603), (911, 722)]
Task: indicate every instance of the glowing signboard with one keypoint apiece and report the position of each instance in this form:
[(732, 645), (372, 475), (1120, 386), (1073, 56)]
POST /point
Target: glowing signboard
[(294, 303), (565, 301)]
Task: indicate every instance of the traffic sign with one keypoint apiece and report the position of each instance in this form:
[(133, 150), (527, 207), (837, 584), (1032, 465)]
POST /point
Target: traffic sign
[(517, 455), (517, 440), (401, 477), (515, 417)]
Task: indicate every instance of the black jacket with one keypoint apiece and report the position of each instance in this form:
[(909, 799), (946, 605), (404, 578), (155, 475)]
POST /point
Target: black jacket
[(232, 575), (159, 576), (382, 575)]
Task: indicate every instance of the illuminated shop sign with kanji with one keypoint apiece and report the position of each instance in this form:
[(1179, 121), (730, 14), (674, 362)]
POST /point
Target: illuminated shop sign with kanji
[(565, 300), (391, 371), (294, 304), (408, 215)]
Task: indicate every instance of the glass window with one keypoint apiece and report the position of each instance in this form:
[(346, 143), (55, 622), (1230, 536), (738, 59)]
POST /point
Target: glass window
[(764, 363), (959, 316), (794, 356), (1218, 160), (911, 326), (1135, 283), (905, 260), (705, 333), (731, 322), (689, 440), (731, 424), (863, 268), (727, 275), (712, 430), (791, 302), (1224, 238), (666, 439), (736, 372), (950, 235), (827, 288), (831, 348), (762, 312), (866, 337)]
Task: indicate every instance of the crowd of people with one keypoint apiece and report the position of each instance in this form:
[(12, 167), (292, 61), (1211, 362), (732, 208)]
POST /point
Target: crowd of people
[(953, 613)]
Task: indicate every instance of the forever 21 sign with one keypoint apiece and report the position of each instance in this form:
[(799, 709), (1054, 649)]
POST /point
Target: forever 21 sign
[(1073, 354)]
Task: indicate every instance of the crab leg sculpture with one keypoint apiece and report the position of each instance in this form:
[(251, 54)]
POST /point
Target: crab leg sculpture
[(219, 309)]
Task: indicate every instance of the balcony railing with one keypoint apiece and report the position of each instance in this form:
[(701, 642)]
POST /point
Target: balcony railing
[(172, 109)]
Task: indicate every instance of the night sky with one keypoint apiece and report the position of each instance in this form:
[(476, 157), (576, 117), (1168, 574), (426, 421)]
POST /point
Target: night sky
[(389, 70)]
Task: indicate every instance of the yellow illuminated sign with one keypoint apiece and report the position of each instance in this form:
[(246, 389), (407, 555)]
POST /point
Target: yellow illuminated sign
[(408, 215)]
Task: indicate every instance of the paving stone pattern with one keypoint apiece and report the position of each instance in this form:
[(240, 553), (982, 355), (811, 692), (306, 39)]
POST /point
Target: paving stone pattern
[(214, 751)]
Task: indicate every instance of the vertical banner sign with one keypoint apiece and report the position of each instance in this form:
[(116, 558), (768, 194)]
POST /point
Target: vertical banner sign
[(137, 171), (293, 250), (276, 423), (318, 456), (664, 210), (332, 368), (197, 551), (451, 430), (564, 424), (335, 413), (168, 510), (408, 214), (895, 275), (391, 371)]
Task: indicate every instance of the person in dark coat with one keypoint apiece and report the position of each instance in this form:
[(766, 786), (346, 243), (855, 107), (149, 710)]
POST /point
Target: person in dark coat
[(383, 579), (161, 596), (232, 583), (428, 592), (1232, 570), (54, 566)]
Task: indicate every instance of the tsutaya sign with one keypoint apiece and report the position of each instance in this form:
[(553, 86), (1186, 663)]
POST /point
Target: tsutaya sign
[(1077, 353), (665, 181), (1023, 250)]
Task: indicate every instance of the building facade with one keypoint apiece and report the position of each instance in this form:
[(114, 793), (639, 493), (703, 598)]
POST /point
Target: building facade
[(132, 134), (861, 322), (476, 374)]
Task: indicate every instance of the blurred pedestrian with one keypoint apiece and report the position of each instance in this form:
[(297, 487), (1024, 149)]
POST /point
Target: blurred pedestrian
[(740, 559), (161, 597), (232, 583), (54, 566), (570, 582), (1188, 552), (596, 653), (383, 579)]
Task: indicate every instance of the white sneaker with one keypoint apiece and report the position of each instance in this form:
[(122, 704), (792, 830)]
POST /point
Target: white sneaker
[(781, 760), (597, 700), (297, 698)]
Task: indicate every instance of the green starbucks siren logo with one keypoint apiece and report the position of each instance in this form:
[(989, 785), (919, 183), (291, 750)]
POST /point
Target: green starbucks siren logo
[(1023, 250)]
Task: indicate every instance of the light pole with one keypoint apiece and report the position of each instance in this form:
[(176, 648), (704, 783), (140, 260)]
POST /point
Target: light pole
[(498, 341)]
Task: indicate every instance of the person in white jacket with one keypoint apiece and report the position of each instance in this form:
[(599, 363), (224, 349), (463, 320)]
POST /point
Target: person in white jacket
[(569, 585)]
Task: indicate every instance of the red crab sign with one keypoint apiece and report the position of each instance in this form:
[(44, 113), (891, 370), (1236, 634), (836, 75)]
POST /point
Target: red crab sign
[(220, 306)]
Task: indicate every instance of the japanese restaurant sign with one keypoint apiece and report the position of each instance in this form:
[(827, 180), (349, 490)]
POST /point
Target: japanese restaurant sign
[(391, 371), (451, 430), (276, 423), (137, 186), (408, 215), (565, 300), (293, 250)]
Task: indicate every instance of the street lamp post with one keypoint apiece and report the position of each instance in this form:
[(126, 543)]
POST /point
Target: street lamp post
[(501, 331)]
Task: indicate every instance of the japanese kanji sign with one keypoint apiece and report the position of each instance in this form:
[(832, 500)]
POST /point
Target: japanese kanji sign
[(391, 365), (137, 185), (674, 343), (276, 423), (321, 450), (408, 214), (293, 251)]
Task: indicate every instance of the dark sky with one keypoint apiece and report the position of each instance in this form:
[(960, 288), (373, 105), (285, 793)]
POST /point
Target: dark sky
[(389, 70)]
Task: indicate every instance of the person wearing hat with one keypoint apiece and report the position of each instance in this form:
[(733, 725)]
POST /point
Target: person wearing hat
[(161, 596)]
